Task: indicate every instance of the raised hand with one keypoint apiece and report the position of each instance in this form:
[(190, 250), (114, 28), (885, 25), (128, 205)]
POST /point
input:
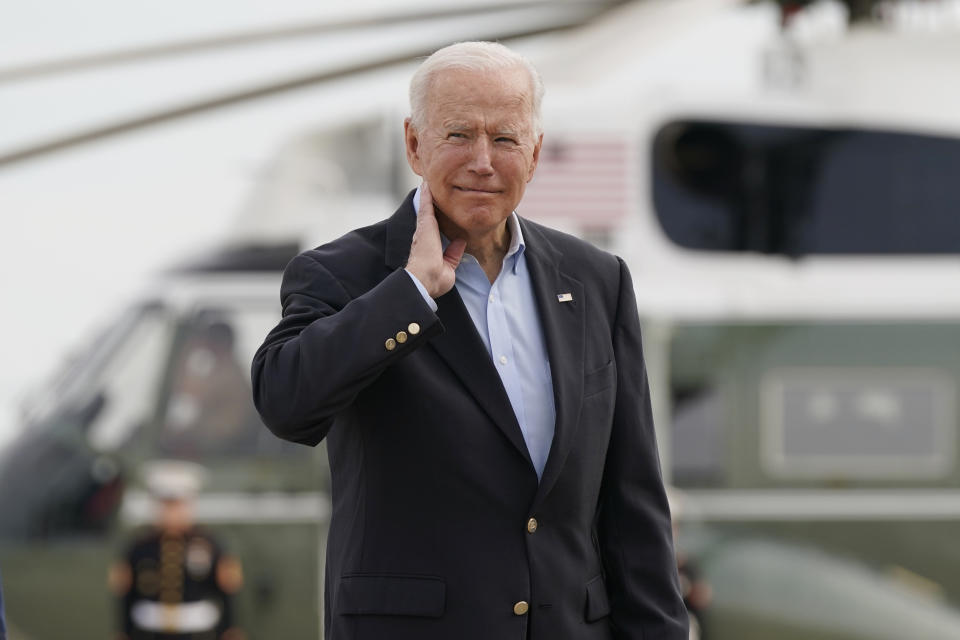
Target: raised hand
[(433, 266)]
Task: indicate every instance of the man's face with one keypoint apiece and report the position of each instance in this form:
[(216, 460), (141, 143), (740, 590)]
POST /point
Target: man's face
[(477, 149), (175, 515)]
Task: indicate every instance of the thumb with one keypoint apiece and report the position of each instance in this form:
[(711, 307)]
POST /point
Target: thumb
[(454, 252)]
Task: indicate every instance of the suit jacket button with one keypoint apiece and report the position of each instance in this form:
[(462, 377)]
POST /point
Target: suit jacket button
[(532, 525), (401, 336), (390, 344), (413, 328), (521, 608)]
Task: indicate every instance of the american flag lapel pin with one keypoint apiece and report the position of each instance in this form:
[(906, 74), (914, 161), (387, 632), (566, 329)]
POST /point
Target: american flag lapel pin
[(564, 297)]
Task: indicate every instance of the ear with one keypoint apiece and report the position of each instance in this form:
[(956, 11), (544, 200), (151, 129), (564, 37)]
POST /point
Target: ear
[(412, 140), (536, 157)]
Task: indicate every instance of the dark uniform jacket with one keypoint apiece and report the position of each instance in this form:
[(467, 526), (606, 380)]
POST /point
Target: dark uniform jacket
[(179, 573), (440, 529)]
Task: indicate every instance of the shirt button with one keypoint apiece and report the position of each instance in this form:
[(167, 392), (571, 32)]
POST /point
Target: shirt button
[(413, 328), (491, 297), (521, 608), (401, 336), (503, 359), (390, 344), (532, 525)]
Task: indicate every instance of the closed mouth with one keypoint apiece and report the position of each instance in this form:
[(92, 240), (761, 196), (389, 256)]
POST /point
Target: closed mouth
[(473, 190)]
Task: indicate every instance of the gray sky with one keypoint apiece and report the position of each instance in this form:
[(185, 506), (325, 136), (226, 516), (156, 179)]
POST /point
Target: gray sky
[(83, 230)]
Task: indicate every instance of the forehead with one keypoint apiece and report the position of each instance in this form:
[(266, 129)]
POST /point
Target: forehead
[(504, 96)]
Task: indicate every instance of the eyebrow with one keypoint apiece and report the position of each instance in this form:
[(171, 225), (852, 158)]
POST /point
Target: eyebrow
[(505, 131), (462, 127)]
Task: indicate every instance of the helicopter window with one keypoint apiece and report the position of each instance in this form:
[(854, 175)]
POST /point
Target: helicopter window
[(770, 404), (208, 407), (82, 371), (127, 382), (726, 186)]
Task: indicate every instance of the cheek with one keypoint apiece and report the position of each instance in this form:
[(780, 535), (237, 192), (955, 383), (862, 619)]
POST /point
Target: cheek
[(520, 170), (444, 162)]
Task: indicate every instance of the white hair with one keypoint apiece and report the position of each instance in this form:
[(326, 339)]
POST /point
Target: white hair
[(471, 56)]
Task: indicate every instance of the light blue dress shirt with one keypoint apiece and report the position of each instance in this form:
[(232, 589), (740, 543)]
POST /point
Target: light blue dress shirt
[(506, 317)]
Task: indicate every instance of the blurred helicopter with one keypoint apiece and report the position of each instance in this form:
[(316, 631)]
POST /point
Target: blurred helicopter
[(168, 378), (787, 209)]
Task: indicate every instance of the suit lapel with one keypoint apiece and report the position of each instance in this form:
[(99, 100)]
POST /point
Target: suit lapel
[(459, 345), (563, 328), (463, 350)]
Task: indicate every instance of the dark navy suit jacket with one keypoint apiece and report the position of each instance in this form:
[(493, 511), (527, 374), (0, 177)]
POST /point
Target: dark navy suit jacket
[(432, 486)]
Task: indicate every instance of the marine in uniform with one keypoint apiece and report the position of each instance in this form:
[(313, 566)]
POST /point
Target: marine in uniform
[(175, 582)]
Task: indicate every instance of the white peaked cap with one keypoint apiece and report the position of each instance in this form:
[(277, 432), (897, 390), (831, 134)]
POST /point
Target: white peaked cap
[(173, 479)]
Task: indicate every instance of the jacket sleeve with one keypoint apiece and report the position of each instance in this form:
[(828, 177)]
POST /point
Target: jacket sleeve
[(634, 530), (329, 345)]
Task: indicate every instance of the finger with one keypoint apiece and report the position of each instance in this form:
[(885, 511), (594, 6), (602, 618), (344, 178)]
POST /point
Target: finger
[(426, 217), (426, 200), (454, 252), (427, 229), (425, 246)]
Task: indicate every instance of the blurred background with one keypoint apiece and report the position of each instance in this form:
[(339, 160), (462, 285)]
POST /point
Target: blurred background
[(783, 179)]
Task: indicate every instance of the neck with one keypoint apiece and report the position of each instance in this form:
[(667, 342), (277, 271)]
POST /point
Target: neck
[(488, 247)]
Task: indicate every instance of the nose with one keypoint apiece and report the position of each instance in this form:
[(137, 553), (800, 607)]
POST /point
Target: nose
[(481, 156)]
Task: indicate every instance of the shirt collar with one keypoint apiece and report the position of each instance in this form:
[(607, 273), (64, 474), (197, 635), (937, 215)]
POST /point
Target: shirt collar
[(517, 244)]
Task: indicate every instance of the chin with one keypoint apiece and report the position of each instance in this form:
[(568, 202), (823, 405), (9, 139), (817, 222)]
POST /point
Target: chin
[(492, 207), (479, 218), (468, 213)]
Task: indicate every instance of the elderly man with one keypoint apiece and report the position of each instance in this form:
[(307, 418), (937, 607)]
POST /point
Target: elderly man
[(480, 382)]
